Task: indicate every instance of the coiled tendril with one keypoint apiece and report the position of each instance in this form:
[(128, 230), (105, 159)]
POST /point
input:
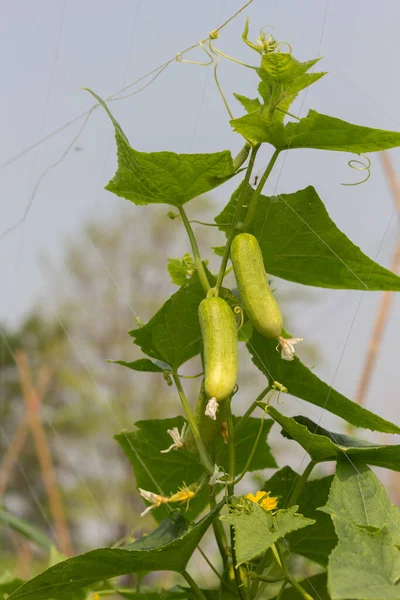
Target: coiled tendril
[(359, 165)]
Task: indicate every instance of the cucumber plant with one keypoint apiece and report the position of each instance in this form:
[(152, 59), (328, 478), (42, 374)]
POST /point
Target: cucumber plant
[(344, 525)]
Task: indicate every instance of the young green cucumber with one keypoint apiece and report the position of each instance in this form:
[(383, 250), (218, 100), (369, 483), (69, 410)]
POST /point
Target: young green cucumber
[(258, 301), (209, 429), (219, 333)]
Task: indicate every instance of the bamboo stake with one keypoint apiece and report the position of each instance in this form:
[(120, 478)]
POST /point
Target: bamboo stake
[(43, 452), (13, 451), (386, 301)]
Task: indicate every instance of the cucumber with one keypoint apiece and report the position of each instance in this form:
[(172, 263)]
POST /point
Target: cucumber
[(209, 429), (258, 301), (219, 333)]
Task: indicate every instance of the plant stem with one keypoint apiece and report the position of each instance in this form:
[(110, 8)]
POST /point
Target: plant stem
[(231, 448), (293, 582), (300, 483), (241, 156), (250, 410), (222, 580), (194, 587), (220, 536), (256, 196), (234, 564), (286, 112), (235, 219), (253, 450), (284, 584), (205, 459), (195, 249)]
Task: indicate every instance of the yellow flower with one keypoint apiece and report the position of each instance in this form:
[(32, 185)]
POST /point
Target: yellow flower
[(264, 499), (184, 494)]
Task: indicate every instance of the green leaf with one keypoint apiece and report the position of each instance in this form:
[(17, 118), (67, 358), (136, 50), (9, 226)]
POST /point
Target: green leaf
[(365, 564), (8, 584), (315, 131), (25, 529), (145, 365), (301, 243), (315, 586), (301, 382), (323, 445), (181, 269), (173, 335), (249, 104), (291, 91), (316, 542), (282, 67), (164, 177), (143, 449), (171, 528), (258, 529), (58, 582)]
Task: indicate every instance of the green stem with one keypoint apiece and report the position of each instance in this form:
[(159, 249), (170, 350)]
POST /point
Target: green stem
[(234, 564), (284, 584), (222, 580), (241, 156), (220, 536), (195, 249), (293, 582), (231, 448), (300, 483), (256, 196), (250, 410), (205, 459), (250, 458), (262, 565), (287, 113), (194, 587), (235, 219)]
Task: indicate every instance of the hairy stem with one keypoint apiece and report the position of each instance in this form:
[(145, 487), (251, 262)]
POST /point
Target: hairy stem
[(205, 459), (220, 536), (256, 196), (236, 219), (194, 587), (298, 488), (195, 249), (231, 448), (294, 583)]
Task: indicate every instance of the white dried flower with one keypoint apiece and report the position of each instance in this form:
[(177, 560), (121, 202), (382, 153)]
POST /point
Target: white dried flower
[(177, 438), (215, 477), (287, 347), (212, 409), (155, 500)]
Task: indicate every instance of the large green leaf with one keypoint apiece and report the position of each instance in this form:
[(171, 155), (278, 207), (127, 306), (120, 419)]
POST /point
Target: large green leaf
[(365, 564), (315, 586), (25, 529), (323, 445), (316, 542), (173, 335), (315, 131), (60, 581), (257, 529), (302, 382), (300, 242), (164, 177), (143, 449)]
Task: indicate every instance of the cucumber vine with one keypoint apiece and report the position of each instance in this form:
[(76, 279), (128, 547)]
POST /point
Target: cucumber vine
[(344, 525)]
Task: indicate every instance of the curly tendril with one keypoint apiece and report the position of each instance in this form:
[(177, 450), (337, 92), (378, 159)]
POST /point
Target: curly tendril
[(359, 165), (179, 58)]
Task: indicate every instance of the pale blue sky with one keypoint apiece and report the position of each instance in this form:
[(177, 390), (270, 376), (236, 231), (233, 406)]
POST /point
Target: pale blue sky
[(50, 48)]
